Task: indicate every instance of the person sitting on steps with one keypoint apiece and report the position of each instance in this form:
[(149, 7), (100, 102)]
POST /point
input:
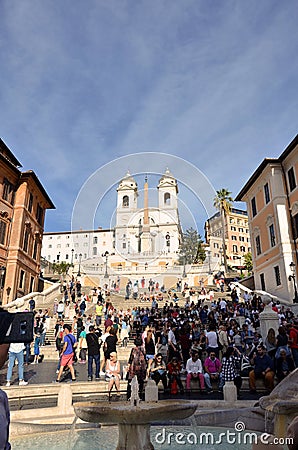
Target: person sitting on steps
[(263, 368), (113, 373)]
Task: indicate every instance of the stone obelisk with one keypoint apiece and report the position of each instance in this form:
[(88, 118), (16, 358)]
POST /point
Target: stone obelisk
[(146, 237)]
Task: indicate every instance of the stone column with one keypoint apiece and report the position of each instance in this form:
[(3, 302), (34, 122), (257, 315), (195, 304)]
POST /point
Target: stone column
[(268, 319), (65, 399), (230, 392), (151, 391)]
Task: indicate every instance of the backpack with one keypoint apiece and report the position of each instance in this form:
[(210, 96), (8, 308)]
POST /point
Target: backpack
[(245, 366)]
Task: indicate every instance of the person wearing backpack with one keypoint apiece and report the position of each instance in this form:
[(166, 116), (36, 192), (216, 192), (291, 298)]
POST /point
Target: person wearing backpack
[(293, 341)]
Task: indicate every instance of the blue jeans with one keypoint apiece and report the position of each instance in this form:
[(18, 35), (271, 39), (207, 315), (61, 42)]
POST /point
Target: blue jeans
[(20, 358), (208, 381), (92, 358)]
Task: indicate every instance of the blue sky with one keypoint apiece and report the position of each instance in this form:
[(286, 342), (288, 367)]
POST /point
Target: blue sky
[(86, 82)]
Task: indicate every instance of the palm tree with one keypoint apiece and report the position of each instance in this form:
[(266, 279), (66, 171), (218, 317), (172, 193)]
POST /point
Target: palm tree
[(223, 202)]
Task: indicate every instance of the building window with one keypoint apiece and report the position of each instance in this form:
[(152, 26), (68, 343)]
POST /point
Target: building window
[(125, 201), (266, 193), (262, 279), (168, 240), (241, 238), (241, 230), (66, 256), (8, 191), (235, 249), (124, 245), (234, 238), (3, 226), (30, 202), (31, 284), (58, 245), (258, 245), (215, 245), (233, 228), (272, 235), (94, 251), (277, 275), (67, 245), (253, 207), (22, 279), (39, 214), (35, 248), (291, 178), (167, 198), (95, 239), (26, 241), (295, 224), (242, 248)]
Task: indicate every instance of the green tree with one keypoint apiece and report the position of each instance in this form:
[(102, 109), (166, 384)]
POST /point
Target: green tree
[(248, 262), (223, 203), (191, 250), (61, 268)]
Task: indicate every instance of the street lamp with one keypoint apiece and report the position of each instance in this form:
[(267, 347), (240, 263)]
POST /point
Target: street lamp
[(184, 263), (208, 250), (106, 254), (2, 276), (80, 259), (292, 277), (72, 251)]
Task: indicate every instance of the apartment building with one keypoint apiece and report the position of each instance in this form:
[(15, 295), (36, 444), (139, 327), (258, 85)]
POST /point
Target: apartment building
[(237, 239), (23, 203), (271, 195)]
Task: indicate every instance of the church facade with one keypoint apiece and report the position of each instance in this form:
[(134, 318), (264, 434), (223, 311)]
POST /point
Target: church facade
[(142, 234)]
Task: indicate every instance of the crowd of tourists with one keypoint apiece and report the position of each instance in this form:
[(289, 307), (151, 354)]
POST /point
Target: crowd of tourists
[(204, 342), (191, 341)]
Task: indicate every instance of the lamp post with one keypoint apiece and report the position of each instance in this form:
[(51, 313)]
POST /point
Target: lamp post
[(293, 277), (208, 250), (72, 251), (184, 263), (2, 276), (220, 258), (106, 254), (80, 259)]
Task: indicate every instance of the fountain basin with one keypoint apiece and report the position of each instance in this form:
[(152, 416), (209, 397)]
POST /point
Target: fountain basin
[(134, 421), (124, 413)]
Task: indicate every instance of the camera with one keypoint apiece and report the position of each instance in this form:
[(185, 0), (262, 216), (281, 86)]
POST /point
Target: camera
[(16, 327)]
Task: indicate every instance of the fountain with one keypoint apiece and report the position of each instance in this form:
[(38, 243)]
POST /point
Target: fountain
[(281, 405), (134, 417)]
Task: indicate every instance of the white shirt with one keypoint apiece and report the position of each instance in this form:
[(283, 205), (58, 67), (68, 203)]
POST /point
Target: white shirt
[(194, 366), (16, 347), (212, 339), (171, 337)]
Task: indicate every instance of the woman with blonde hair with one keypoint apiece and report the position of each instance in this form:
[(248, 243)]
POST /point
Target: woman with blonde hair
[(113, 373)]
